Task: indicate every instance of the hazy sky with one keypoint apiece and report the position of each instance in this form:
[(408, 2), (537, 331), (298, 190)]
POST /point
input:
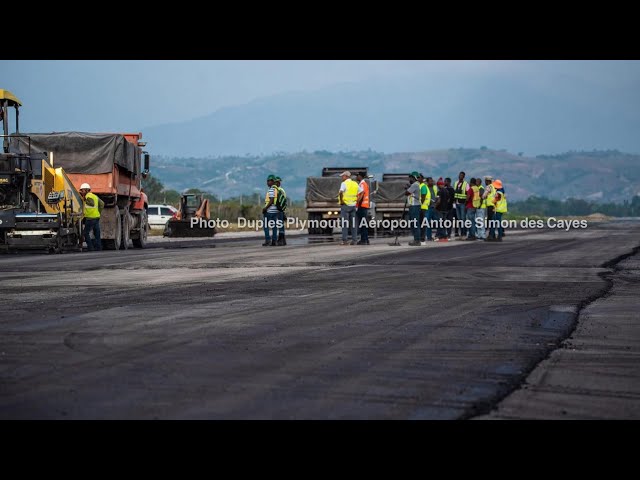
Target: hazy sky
[(131, 95)]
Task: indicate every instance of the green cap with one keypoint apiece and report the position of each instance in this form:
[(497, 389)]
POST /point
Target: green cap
[(278, 179), (414, 175), (271, 177)]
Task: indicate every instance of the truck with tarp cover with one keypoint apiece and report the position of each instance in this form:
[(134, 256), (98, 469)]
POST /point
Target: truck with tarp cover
[(322, 199), (390, 197), (113, 164)]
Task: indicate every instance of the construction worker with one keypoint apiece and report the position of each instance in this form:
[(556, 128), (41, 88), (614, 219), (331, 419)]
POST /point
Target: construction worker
[(473, 201), (489, 193), (430, 213), (348, 197), (92, 209), (460, 188), (500, 201), (424, 207), (281, 204), (481, 212), (142, 202), (362, 209), (442, 208), (412, 192), (451, 209), (270, 213)]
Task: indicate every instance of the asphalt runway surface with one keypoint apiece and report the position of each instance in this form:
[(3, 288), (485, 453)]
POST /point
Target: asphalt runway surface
[(315, 330)]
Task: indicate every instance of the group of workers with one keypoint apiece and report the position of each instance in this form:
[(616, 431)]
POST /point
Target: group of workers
[(354, 207), (464, 209), (443, 207), (354, 203), (455, 207)]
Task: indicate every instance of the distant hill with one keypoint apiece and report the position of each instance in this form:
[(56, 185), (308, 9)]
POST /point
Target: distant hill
[(602, 176), (414, 114)]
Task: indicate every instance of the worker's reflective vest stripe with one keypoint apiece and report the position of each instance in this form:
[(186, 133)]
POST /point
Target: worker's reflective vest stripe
[(427, 199), (365, 194), (461, 190), (275, 196), (91, 211), (350, 196), (281, 200), (483, 204), (425, 204), (501, 205), (476, 200)]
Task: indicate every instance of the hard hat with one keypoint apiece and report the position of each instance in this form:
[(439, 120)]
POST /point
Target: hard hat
[(85, 186), (497, 183)]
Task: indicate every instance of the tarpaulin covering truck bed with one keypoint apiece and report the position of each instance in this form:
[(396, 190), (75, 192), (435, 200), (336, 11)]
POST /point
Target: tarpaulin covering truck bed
[(78, 152)]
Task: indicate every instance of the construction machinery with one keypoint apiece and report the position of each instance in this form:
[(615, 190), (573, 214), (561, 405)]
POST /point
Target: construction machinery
[(39, 205), (322, 198), (193, 218), (113, 164), (391, 199)]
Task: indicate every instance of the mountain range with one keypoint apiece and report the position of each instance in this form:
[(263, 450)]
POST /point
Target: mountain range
[(516, 112)]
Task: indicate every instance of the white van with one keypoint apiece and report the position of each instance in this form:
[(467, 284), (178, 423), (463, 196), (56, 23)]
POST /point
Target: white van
[(159, 215)]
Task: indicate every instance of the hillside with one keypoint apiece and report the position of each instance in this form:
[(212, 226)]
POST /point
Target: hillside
[(608, 176), (415, 114)]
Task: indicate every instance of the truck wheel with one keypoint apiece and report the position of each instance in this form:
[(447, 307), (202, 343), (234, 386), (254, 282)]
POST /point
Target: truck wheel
[(141, 241), (314, 217), (330, 227), (114, 244), (126, 231)]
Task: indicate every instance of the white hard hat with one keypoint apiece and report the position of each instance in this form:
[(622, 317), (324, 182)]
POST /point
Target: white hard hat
[(85, 185)]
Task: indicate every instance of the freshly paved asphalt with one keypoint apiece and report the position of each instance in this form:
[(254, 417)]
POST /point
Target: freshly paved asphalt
[(320, 331)]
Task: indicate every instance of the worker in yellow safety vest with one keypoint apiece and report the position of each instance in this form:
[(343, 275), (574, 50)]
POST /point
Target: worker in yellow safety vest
[(93, 206), (481, 212), (429, 205), (500, 202), (424, 206), (489, 193), (461, 188), (281, 204), (348, 197)]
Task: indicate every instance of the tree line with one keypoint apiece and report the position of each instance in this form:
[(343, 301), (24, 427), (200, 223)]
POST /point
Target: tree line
[(250, 206)]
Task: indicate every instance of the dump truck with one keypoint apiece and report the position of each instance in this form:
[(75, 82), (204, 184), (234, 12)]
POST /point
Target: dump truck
[(193, 218), (322, 199), (39, 205), (390, 198), (113, 164)]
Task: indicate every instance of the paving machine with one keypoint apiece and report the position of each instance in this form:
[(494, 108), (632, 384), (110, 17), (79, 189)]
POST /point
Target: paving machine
[(193, 218), (39, 206)]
